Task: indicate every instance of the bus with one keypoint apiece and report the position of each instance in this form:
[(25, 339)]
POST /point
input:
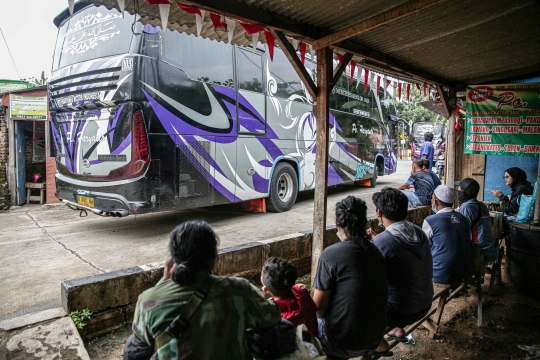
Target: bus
[(418, 131), (146, 120)]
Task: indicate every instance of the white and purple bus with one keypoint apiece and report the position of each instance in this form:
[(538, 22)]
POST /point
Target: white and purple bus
[(145, 120)]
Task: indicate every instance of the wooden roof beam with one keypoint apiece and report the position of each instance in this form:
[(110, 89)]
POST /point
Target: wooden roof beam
[(300, 69), (376, 21)]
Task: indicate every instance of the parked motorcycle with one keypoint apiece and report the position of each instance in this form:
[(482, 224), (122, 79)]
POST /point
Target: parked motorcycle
[(439, 165)]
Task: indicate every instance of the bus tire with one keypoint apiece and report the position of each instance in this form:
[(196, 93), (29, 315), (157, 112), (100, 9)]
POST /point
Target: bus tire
[(283, 188), (373, 181)]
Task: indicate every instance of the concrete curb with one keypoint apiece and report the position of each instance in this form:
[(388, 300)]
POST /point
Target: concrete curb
[(112, 296)]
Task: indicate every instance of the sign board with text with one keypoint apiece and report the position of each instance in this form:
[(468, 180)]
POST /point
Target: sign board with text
[(28, 107), (503, 119)]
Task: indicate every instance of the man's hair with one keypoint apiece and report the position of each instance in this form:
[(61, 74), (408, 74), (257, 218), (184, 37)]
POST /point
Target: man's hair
[(351, 216), (419, 163), (425, 163), (445, 204), (279, 276), (193, 246), (428, 136), (392, 203)]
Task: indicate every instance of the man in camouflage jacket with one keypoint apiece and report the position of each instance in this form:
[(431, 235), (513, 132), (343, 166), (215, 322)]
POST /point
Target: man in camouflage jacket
[(215, 331)]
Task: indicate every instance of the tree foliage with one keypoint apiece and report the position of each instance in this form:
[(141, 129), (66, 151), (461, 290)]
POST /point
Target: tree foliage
[(412, 112)]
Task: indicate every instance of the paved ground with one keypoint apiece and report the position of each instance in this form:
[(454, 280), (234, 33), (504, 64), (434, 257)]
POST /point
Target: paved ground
[(40, 249)]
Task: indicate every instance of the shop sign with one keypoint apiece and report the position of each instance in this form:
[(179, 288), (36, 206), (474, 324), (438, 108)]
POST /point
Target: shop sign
[(503, 119), (28, 107)]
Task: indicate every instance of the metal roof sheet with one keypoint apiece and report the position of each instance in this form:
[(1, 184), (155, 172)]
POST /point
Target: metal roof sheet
[(451, 42)]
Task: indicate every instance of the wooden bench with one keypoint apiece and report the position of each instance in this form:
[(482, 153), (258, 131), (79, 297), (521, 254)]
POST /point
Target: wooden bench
[(443, 295), (29, 186)]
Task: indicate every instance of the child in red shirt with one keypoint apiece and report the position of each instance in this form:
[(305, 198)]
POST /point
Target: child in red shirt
[(278, 277)]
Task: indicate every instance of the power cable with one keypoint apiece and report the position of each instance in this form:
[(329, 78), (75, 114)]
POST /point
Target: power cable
[(15, 66)]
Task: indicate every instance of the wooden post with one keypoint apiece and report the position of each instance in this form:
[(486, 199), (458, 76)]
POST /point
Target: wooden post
[(324, 76), (451, 142)]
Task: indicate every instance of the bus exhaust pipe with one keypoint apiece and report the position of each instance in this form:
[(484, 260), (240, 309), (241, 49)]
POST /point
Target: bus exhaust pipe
[(121, 213)]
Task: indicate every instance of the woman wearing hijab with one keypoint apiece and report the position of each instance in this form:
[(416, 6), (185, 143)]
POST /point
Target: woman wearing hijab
[(517, 180)]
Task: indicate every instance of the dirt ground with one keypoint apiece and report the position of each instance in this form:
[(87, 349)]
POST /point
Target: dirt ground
[(510, 317)]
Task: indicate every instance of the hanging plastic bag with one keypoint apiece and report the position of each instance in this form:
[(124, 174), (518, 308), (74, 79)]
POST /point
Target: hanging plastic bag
[(308, 346), (526, 207)]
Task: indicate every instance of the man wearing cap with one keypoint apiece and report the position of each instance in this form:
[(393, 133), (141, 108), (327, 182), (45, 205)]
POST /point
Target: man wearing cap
[(450, 235), (478, 215), (426, 151)]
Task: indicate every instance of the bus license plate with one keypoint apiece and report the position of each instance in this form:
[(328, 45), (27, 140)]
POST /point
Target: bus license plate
[(85, 200)]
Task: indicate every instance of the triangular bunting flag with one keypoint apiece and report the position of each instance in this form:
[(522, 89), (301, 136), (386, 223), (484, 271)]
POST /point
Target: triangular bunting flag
[(366, 79), (255, 40), (385, 82), (353, 67), (164, 10), (311, 52), (71, 5), (399, 91), (295, 44), (122, 6), (408, 92), (424, 89), (417, 87), (216, 20), (378, 84), (303, 52), (270, 43), (252, 29), (359, 76), (231, 24), (371, 75)]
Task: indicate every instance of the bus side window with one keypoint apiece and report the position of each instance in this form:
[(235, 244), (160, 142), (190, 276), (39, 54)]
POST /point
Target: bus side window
[(249, 71), (287, 82), (201, 59)]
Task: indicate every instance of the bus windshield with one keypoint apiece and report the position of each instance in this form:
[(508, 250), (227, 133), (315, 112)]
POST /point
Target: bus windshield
[(92, 33)]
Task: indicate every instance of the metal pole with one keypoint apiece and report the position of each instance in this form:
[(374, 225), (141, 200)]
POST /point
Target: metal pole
[(324, 77)]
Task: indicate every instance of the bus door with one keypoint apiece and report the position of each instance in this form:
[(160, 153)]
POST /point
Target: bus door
[(252, 165)]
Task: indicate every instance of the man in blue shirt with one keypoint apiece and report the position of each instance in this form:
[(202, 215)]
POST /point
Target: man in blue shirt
[(434, 177), (450, 236), (426, 152), (422, 183)]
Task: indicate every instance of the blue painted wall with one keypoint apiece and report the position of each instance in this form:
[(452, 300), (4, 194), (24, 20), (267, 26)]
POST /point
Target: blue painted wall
[(495, 166)]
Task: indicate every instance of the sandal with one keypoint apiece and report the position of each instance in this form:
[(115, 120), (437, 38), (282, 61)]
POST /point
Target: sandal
[(396, 338)]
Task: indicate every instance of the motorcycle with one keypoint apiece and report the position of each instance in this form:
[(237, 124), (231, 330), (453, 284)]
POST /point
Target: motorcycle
[(439, 165)]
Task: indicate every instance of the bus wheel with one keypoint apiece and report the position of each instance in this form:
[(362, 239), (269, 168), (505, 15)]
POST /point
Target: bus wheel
[(373, 181), (283, 188)]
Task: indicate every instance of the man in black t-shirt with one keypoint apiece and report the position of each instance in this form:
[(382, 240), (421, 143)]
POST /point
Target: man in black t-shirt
[(351, 290)]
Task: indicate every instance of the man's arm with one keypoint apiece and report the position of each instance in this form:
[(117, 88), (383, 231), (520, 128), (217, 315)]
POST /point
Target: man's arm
[(427, 229), (321, 298), (404, 186)]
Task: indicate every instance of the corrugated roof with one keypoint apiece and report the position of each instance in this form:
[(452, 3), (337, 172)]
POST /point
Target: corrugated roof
[(451, 42)]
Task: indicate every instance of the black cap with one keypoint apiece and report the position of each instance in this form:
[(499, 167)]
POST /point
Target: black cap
[(470, 186)]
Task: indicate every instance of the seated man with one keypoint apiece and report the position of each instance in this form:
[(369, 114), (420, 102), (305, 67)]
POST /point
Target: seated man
[(350, 288), (450, 235), (409, 266), (422, 184), (434, 177), (478, 215)]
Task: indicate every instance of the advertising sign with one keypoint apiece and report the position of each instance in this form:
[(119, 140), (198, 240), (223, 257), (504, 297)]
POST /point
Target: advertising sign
[(28, 107), (11, 86), (503, 119), (38, 153)]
